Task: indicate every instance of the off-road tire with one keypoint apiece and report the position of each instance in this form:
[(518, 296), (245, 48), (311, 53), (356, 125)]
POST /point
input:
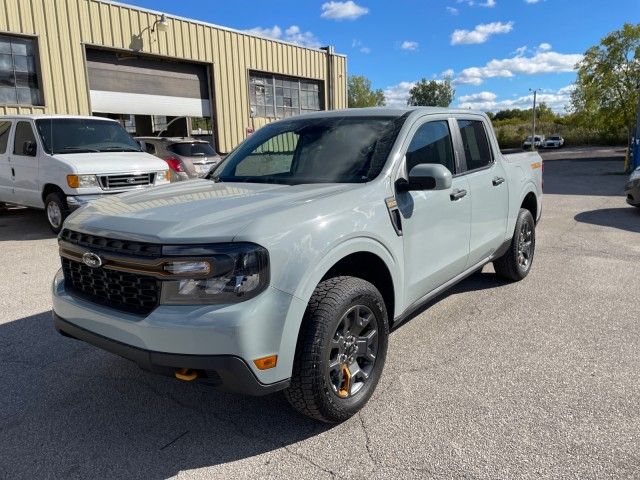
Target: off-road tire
[(508, 265), (310, 391)]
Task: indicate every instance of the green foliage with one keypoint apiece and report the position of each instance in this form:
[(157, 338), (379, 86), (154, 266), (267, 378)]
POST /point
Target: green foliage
[(360, 93), (606, 92), (432, 93)]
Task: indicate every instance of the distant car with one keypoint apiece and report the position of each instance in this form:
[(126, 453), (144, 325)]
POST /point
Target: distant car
[(632, 188), (187, 157), (554, 141), (538, 142)]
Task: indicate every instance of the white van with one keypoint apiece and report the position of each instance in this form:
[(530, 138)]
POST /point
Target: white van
[(59, 162)]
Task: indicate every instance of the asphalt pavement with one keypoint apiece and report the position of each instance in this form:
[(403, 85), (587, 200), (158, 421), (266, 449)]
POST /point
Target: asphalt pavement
[(537, 379)]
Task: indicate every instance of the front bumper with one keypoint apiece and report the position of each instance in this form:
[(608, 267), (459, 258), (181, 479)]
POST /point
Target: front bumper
[(76, 201), (226, 372), (632, 191), (247, 331)]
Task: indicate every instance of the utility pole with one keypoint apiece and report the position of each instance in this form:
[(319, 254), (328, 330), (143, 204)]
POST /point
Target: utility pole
[(533, 129), (635, 147)]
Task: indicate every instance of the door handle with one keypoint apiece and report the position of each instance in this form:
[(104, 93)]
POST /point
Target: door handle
[(457, 194), (13, 172), (497, 181)]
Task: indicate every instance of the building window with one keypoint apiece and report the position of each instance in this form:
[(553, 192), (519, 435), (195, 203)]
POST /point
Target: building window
[(18, 73), (275, 96)]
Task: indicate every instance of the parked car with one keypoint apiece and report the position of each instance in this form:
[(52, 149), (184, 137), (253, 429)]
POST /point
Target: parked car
[(538, 143), (632, 188), (554, 141), (58, 163), (286, 268), (186, 157)]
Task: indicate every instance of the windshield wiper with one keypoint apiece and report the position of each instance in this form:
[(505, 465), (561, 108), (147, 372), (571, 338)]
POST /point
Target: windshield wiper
[(76, 150), (117, 149)]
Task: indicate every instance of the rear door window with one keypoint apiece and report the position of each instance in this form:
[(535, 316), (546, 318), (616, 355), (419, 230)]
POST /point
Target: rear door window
[(5, 129), (475, 142)]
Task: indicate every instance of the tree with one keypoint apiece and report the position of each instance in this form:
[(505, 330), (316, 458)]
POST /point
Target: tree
[(606, 92), (433, 93), (360, 93)]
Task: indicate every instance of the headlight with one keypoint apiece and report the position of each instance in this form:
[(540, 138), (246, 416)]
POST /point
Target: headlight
[(162, 177), (635, 174), (82, 181), (233, 273)]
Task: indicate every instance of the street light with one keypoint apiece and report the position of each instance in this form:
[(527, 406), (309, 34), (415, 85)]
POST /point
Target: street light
[(533, 128), (162, 23)]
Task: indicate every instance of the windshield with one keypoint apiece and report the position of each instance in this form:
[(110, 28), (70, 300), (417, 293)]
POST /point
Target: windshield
[(82, 135), (554, 138), (317, 150), (193, 149)]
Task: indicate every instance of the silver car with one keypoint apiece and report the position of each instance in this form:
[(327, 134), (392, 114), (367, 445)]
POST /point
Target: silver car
[(187, 157)]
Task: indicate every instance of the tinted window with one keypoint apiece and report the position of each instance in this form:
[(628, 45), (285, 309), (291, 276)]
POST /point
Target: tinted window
[(431, 144), (195, 149), (19, 82), (313, 150), (149, 147), (5, 128), (24, 133), (475, 143)]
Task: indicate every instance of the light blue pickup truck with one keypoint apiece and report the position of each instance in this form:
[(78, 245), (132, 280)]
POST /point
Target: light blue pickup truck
[(285, 269)]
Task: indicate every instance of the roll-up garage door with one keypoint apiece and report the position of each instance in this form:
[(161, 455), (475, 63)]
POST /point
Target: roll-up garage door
[(146, 86)]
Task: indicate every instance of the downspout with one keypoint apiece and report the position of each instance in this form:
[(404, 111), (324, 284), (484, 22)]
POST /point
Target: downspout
[(330, 80)]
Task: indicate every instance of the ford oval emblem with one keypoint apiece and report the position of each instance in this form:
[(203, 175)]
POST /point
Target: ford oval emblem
[(91, 260)]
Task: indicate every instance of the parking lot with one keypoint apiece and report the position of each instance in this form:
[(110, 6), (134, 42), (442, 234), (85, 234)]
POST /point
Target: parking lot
[(492, 380)]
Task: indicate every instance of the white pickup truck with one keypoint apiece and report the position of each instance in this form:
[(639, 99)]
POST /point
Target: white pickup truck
[(286, 267), (59, 162)]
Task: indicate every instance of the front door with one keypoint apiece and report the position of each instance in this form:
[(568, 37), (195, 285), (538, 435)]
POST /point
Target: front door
[(435, 223), (25, 165), (488, 190)]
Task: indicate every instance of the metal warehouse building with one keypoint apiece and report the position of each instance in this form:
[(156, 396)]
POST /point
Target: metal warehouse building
[(104, 58)]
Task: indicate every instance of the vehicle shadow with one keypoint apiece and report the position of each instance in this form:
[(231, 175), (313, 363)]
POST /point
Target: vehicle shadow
[(19, 223), (623, 218), (71, 410), (480, 280)]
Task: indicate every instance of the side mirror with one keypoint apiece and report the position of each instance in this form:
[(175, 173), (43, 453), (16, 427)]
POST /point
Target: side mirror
[(29, 148), (426, 176)]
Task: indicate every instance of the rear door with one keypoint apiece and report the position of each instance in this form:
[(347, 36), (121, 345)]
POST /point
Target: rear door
[(488, 189), (435, 223), (6, 172), (25, 165)]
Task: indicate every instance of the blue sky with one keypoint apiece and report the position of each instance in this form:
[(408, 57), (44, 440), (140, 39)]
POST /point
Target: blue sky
[(494, 50)]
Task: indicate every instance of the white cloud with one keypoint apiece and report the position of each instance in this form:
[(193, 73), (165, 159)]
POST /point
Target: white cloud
[(348, 10), (397, 95), (480, 33), (292, 34), (448, 73), (531, 1), (544, 47), (409, 45), (487, 101), (541, 62), (478, 97), (359, 45), (453, 10), (472, 3)]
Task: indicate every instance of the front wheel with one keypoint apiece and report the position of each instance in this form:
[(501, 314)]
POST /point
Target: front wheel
[(55, 206), (515, 264), (341, 350)]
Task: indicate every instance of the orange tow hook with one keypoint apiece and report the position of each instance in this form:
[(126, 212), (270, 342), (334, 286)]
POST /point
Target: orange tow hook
[(186, 374)]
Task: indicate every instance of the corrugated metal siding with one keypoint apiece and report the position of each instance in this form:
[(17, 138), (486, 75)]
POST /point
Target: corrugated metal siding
[(63, 26)]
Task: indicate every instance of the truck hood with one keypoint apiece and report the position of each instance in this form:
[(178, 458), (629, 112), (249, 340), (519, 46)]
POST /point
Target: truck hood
[(112, 162), (192, 211)]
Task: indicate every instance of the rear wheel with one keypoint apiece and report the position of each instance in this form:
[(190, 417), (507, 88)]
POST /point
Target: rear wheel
[(56, 209), (341, 350), (515, 264)]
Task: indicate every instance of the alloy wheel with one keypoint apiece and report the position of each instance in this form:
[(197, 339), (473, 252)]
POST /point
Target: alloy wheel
[(54, 215), (525, 245)]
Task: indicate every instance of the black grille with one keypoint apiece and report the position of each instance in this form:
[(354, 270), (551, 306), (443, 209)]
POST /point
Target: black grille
[(111, 245), (123, 291)]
